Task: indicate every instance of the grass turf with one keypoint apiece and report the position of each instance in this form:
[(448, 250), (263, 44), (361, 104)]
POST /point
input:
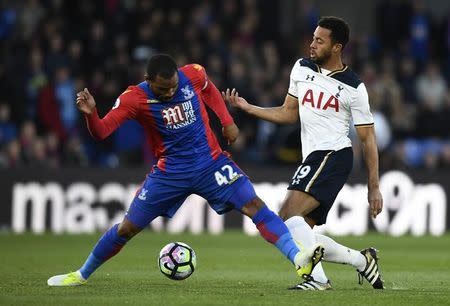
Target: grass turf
[(232, 269)]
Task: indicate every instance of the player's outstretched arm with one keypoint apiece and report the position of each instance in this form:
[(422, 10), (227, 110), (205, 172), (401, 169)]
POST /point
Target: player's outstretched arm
[(98, 128), (367, 136), (284, 114)]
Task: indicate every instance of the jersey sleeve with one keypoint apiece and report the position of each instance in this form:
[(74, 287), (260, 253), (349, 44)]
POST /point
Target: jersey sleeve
[(293, 90), (360, 108), (197, 76), (122, 110)]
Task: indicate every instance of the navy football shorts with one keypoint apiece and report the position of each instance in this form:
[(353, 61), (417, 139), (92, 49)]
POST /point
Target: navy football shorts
[(222, 184), (322, 175)]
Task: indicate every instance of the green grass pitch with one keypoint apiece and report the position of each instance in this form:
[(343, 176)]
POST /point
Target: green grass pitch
[(232, 269)]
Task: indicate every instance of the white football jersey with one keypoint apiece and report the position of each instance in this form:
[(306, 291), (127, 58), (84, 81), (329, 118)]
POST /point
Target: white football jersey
[(327, 105)]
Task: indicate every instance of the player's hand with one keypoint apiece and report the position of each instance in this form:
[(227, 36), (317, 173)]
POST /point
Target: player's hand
[(85, 102), (232, 97), (375, 202), (230, 132)]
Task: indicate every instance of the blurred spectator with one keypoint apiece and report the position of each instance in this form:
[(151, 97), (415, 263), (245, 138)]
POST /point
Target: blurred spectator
[(97, 46), (383, 135), (387, 98), (75, 53), (8, 130), (431, 88), (11, 157), (27, 137), (65, 95), (36, 80), (382, 131), (447, 40), (8, 18), (392, 21), (48, 112), (407, 76), (30, 16), (420, 153), (445, 157), (74, 154), (38, 158), (433, 98), (420, 32), (56, 56), (52, 150)]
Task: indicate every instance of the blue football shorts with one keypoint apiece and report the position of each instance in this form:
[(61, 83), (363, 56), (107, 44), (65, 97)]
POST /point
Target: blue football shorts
[(222, 184)]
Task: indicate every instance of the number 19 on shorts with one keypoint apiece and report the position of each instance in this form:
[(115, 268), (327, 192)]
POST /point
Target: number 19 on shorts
[(301, 172)]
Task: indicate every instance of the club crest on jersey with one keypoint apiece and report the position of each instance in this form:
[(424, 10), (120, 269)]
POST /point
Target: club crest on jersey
[(187, 92), (340, 88), (179, 115), (318, 101)]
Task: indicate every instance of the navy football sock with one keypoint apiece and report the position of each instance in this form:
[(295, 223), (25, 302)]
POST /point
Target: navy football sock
[(273, 229), (107, 246)]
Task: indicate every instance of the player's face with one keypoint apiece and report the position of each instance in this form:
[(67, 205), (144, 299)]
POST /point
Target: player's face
[(321, 45), (164, 89)]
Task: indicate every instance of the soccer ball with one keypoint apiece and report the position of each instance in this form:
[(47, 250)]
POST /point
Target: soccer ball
[(177, 260)]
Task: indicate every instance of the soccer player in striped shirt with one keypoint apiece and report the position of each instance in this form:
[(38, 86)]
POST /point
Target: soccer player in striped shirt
[(171, 107)]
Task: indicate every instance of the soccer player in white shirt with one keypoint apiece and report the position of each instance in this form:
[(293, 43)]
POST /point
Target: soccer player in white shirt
[(325, 95)]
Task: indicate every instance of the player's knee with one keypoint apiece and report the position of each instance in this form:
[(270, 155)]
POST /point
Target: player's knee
[(282, 213), (127, 229), (252, 207), (286, 212)]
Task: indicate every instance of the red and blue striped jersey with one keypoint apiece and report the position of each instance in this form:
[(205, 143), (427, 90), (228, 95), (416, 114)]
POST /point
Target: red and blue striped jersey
[(178, 130)]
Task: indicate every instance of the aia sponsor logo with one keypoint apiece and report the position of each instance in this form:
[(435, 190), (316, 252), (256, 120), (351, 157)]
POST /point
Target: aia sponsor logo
[(320, 101), (179, 115)]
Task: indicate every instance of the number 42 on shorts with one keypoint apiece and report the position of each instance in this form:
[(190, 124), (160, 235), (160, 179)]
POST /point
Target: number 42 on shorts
[(226, 175)]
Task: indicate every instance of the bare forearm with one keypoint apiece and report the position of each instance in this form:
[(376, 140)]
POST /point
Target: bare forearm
[(279, 115), (371, 159)]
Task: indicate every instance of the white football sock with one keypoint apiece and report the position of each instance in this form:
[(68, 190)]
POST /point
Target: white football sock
[(335, 252), (305, 238)]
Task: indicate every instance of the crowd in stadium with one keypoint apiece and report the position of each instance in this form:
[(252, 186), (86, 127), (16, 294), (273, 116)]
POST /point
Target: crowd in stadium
[(52, 49)]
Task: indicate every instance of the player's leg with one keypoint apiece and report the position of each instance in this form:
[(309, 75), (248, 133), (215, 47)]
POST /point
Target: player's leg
[(111, 242), (226, 187), (275, 231), (297, 205), (311, 194), (155, 198), (269, 225), (339, 253), (365, 261), (314, 192), (109, 245)]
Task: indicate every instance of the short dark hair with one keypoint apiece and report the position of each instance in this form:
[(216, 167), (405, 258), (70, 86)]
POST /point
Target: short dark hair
[(161, 64), (340, 31)]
